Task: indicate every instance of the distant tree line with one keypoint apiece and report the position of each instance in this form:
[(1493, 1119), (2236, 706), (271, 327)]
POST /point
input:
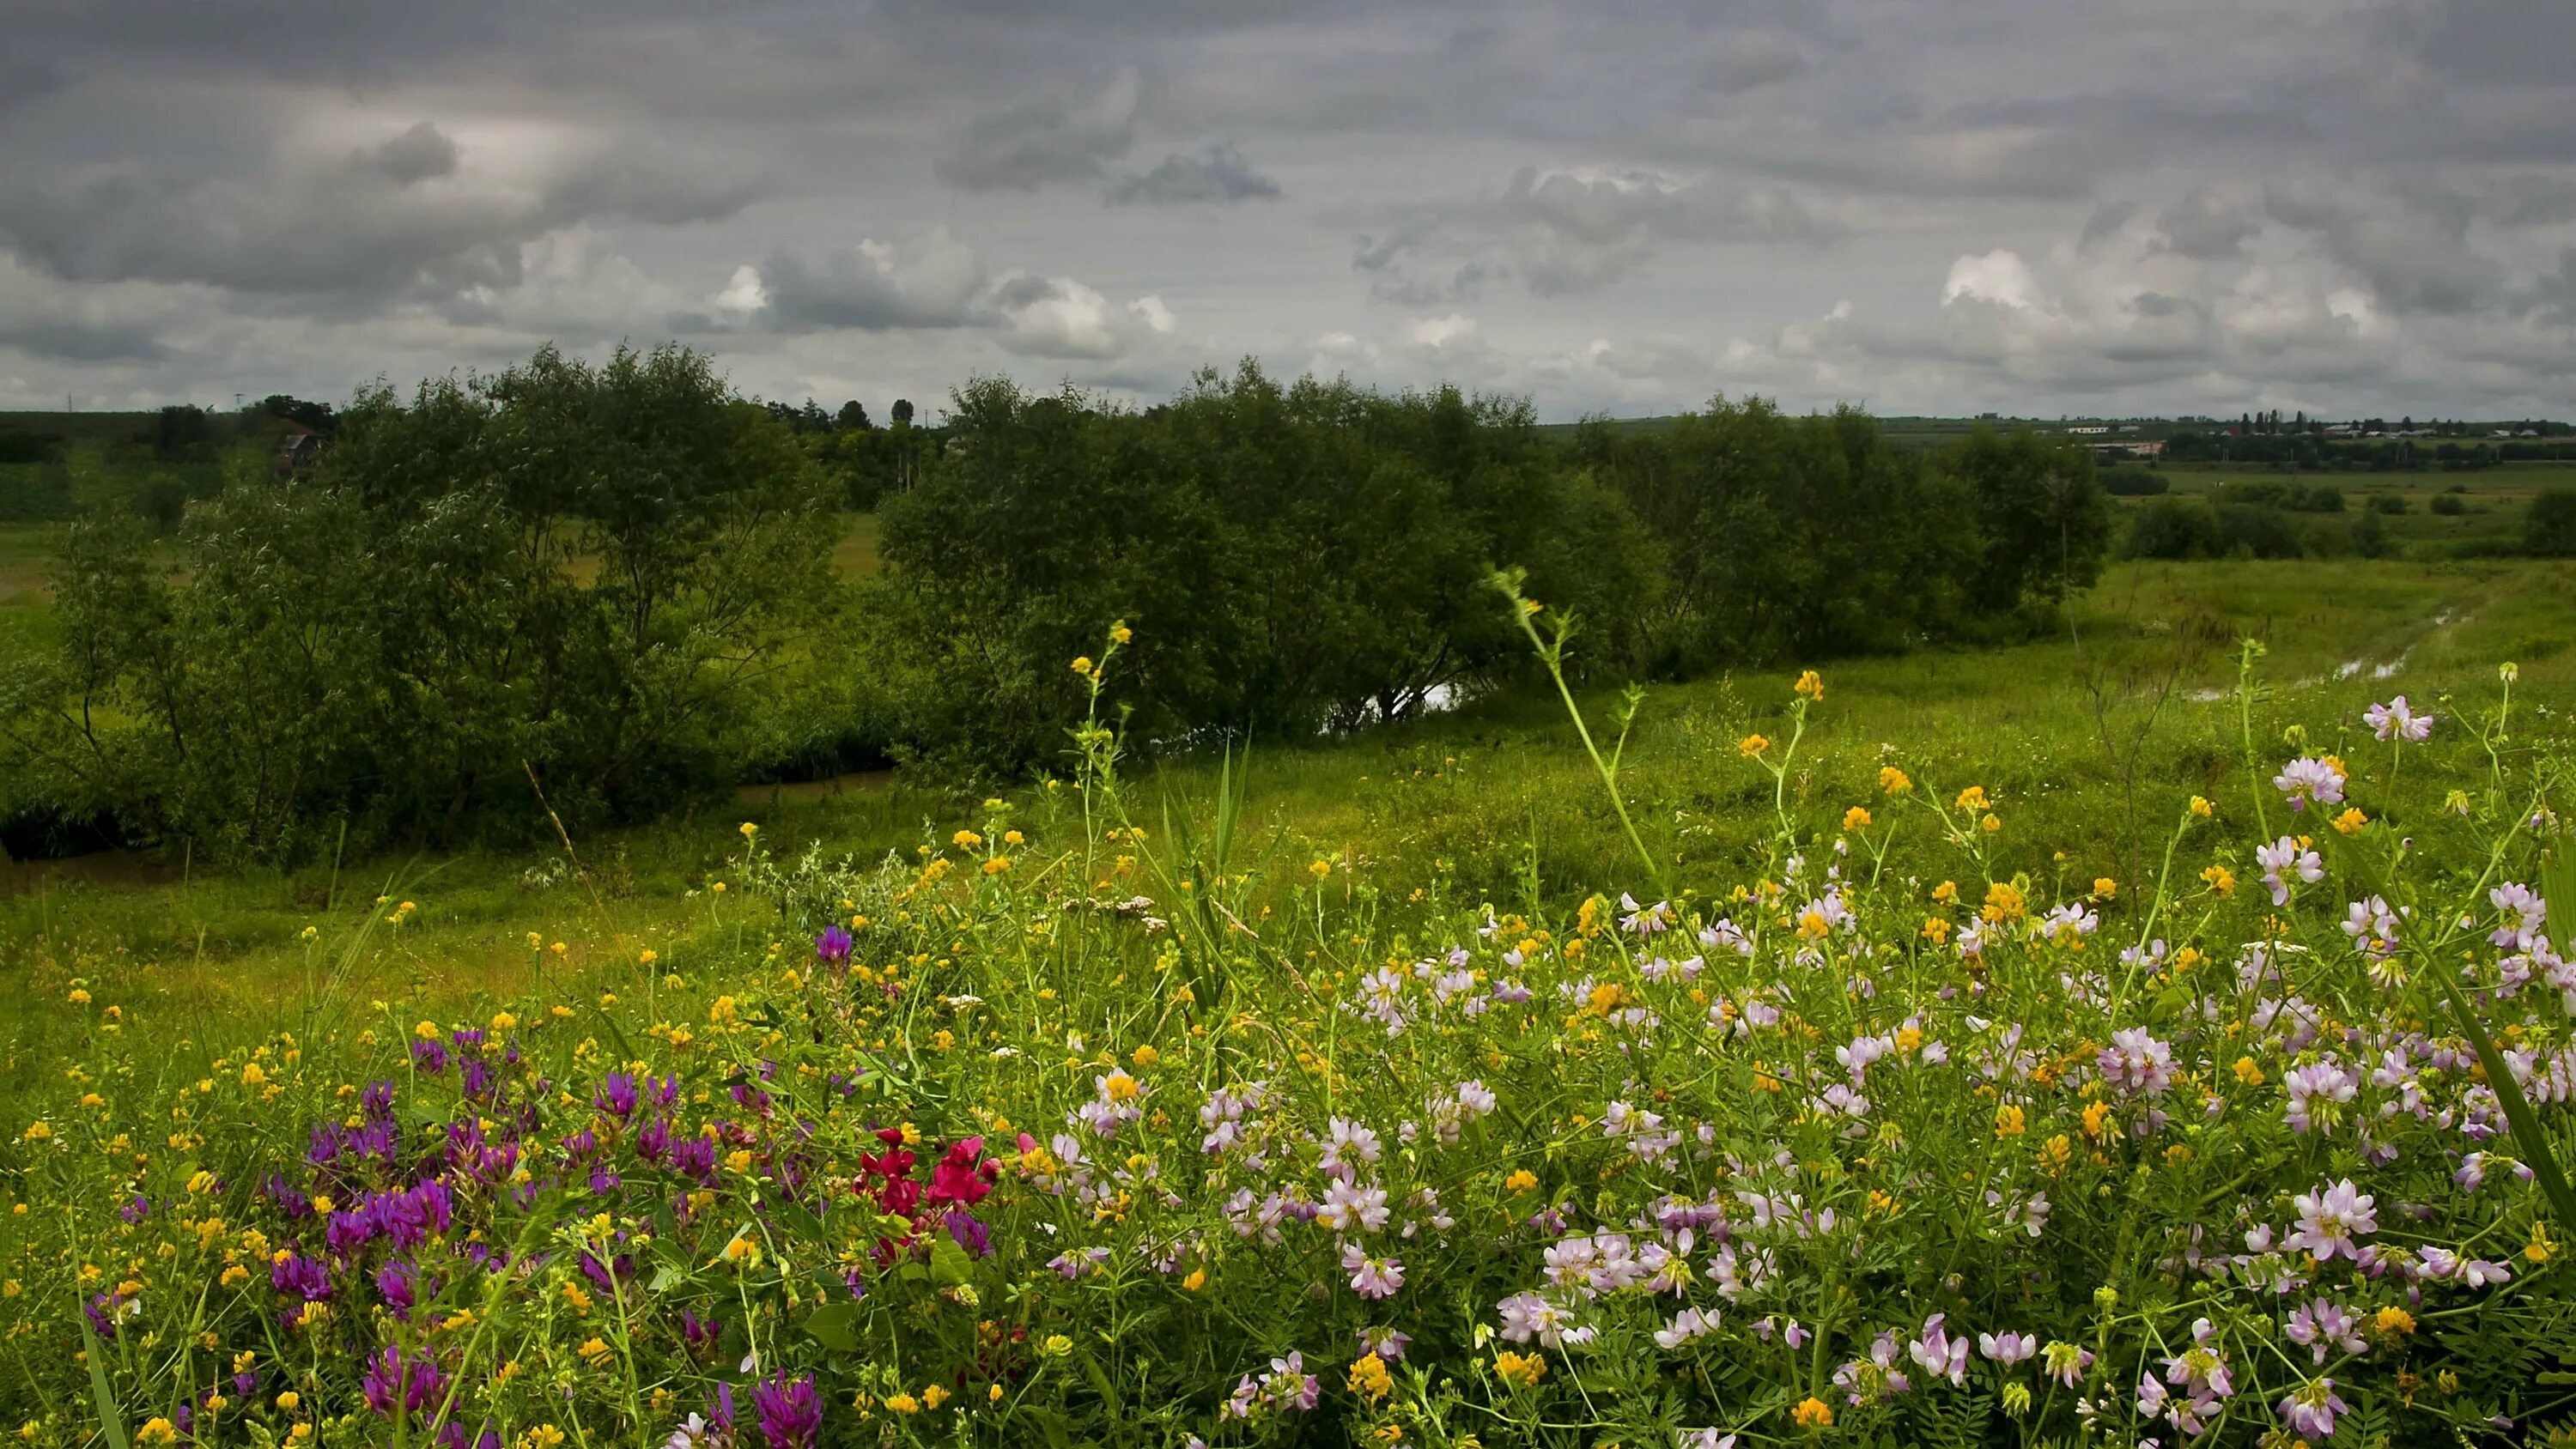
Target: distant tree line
[(2309, 450), (864, 461)]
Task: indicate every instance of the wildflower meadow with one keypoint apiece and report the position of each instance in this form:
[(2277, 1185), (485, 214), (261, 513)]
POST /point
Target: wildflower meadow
[(1089, 1123)]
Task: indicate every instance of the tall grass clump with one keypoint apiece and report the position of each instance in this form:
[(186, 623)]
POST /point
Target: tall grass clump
[(1103, 1121)]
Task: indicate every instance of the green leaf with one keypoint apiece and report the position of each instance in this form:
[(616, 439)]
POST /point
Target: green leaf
[(664, 1277), (949, 1265), (111, 1419), (2527, 1133), (835, 1326), (1099, 1377), (1051, 1424), (2558, 891), (800, 1221)]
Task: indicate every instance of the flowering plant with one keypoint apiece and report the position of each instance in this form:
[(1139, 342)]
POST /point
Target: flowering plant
[(1835, 1150)]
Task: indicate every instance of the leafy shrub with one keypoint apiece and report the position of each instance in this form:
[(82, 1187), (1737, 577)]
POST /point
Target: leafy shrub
[(2133, 483), (2549, 528), (1293, 558), (2389, 503), (2450, 505), (2173, 528), (1813, 536), (591, 576)]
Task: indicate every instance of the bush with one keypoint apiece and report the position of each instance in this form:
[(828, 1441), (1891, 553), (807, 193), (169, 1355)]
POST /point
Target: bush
[(2449, 505), (1813, 537), (2173, 528), (2254, 531), (591, 576), (1290, 558), (2549, 528), (2390, 503), (2132, 483)]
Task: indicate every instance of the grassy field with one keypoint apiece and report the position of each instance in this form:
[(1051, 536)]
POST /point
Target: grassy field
[(2091, 736), (1103, 1114), (2492, 500), (26, 552)]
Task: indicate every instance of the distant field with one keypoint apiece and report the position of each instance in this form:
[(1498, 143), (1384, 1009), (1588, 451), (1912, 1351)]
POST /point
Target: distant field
[(2493, 500), (26, 550)]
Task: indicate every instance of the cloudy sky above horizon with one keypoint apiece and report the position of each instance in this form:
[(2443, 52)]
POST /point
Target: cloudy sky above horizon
[(2343, 206)]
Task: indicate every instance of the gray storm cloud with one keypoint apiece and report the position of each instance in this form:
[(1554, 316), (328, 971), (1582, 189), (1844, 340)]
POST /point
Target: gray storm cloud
[(2343, 205)]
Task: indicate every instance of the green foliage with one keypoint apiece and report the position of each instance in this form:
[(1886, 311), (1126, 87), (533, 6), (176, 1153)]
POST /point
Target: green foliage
[(1292, 558), (2549, 529), (1813, 537), (2198, 528), (588, 575)]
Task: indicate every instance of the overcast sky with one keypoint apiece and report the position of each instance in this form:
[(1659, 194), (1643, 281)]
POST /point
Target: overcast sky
[(2346, 206)]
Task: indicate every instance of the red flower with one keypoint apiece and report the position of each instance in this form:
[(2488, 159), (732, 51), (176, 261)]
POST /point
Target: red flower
[(959, 1178)]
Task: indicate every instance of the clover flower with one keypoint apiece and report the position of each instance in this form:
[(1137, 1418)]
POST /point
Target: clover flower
[(2285, 854), (2332, 1220), (1371, 1278), (2395, 720), (2371, 925), (2007, 1348), (1941, 1355), (2322, 1326), (2309, 779), (2310, 1410), (2136, 1062)]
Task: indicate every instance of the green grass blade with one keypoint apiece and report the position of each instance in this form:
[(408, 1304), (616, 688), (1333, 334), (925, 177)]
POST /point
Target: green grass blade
[(2558, 892), (2527, 1131), (111, 1419)]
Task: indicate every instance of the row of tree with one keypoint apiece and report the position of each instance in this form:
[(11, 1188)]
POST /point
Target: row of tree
[(1313, 555), (2386, 455), (585, 581), (607, 590)]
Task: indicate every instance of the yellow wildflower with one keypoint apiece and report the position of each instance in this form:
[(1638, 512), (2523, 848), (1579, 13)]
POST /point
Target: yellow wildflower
[(1369, 1378)]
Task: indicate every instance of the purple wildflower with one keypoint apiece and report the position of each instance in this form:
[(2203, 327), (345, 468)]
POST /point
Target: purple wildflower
[(791, 1413)]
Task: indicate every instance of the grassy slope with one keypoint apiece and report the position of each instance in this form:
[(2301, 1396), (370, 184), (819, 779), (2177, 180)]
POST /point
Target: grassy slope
[(2090, 743)]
